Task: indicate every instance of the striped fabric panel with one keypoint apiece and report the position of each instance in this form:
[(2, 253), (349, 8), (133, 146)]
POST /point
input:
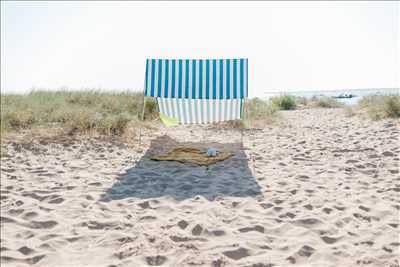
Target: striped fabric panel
[(197, 78), (195, 111)]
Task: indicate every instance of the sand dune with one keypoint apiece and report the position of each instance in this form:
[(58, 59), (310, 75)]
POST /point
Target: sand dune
[(319, 190)]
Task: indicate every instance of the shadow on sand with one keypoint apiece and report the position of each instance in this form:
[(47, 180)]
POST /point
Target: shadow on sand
[(151, 179)]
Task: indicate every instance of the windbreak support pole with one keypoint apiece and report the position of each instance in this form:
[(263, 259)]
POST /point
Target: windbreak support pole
[(244, 117), (142, 119)]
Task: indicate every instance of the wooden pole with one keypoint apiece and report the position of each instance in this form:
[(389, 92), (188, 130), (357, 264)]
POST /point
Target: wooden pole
[(243, 119), (142, 119)]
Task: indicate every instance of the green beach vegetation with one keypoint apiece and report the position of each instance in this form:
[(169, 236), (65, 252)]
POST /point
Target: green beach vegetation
[(76, 111), (381, 107), (111, 113)]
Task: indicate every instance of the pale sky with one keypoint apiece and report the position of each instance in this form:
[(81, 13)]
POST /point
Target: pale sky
[(290, 45)]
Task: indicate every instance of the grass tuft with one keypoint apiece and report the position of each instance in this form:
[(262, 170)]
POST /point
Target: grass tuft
[(324, 102), (381, 107), (284, 102)]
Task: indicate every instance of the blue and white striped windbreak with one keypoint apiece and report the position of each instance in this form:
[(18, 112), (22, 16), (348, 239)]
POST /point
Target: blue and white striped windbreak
[(198, 90), (197, 78), (194, 111)]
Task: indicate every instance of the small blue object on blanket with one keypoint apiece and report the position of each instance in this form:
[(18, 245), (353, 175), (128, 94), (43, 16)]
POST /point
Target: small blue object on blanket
[(211, 152)]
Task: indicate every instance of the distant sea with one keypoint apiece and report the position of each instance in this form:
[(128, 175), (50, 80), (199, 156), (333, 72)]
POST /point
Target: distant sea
[(358, 94)]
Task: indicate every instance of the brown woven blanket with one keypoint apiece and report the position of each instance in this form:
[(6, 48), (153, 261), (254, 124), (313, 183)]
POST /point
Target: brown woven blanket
[(192, 155)]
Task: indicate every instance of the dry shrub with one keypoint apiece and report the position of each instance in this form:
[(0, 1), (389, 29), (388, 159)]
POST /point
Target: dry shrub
[(19, 119), (81, 121), (284, 102), (113, 124), (325, 102), (392, 106), (380, 107)]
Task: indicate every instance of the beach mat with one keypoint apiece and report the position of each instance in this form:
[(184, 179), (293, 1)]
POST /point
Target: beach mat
[(192, 155)]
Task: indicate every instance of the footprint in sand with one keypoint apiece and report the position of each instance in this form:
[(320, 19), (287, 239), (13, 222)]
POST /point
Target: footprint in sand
[(262, 265), (34, 196), (179, 239), (339, 208), (26, 250), (31, 261), (327, 210), (364, 208), (218, 232), (183, 224), (266, 205), (144, 205), (56, 199), (197, 230), (308, 221), (25, 235), (6, 220), (237, 254), (42, 224), (304, 252), (308, 206), (95, 184), (95, 225), (329, 240), (30, 215), (156, 260), (303, 178), (15, 212), (388, 154), (73, 239), (287, 215), (257, 228)]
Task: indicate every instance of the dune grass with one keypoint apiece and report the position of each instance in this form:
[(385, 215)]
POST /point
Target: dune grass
[(106, 113), (111, 113), (290, 102), (260, 109), (284, 102), (381, 107), (324, 102), (79, 111)]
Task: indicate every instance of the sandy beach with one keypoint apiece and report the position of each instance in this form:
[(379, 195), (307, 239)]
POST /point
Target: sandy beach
[(316, 189)]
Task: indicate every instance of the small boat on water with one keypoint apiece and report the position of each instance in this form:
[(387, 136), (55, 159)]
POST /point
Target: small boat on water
[(345, 96)]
